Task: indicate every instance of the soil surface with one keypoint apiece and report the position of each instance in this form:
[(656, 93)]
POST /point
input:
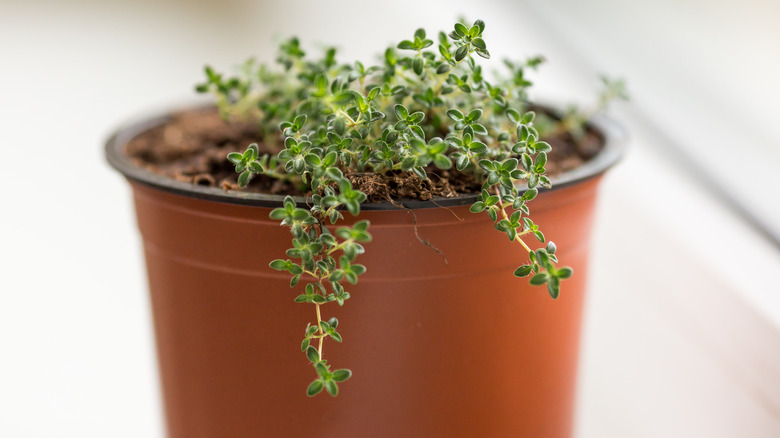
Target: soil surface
[(192, 147)]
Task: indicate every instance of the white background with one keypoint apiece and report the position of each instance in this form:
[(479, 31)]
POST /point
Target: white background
[(681, 335)]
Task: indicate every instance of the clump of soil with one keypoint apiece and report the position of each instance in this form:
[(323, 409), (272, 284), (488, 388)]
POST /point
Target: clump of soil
[(406, 185), (192, 147)]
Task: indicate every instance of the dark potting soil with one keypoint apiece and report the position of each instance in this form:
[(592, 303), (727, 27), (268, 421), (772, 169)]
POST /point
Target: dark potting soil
[(192, 147)]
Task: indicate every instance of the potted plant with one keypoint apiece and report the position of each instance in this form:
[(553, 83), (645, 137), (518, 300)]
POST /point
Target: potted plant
[(404, 192)]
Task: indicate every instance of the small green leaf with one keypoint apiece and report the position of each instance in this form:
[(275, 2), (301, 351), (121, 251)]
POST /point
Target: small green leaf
[(401, 112), (523, 271), (416, 118), (461, 53), (533, 180), (342, 375), (474, 115), (542, 257), (530, 194), (256, 167), (542, 146), (244, 178), (480, 25), (553, 287), (442, 162), (314, 388), (406, 45), (509, 165), (486, 165), (455, 115), (332, 387), (478, 147), (280, 265), (312, 354), (313, 160), (541, 160), (564, 273), (417, 65), (477, 207), (321, 369), (539, 279), (299, 121)]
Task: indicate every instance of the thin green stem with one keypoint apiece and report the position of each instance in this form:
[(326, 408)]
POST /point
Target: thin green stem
[(319, 329), (505, 216)]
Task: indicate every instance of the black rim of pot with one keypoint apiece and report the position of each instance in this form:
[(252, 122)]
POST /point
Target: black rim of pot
[(614, 146)]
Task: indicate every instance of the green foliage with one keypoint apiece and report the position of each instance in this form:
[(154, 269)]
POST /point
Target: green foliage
[(426, 106)]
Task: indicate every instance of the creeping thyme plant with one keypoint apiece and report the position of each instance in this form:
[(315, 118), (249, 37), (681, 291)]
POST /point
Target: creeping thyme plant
[(426, 106)]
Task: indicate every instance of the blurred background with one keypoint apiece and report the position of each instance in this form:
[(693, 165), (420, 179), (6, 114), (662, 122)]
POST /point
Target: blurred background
[(682, 331)]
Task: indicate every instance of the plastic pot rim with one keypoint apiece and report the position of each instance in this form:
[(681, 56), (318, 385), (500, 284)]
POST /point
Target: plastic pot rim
[(614, 146)]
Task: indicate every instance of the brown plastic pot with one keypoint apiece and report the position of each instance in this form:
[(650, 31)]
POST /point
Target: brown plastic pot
[(439, 348)]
